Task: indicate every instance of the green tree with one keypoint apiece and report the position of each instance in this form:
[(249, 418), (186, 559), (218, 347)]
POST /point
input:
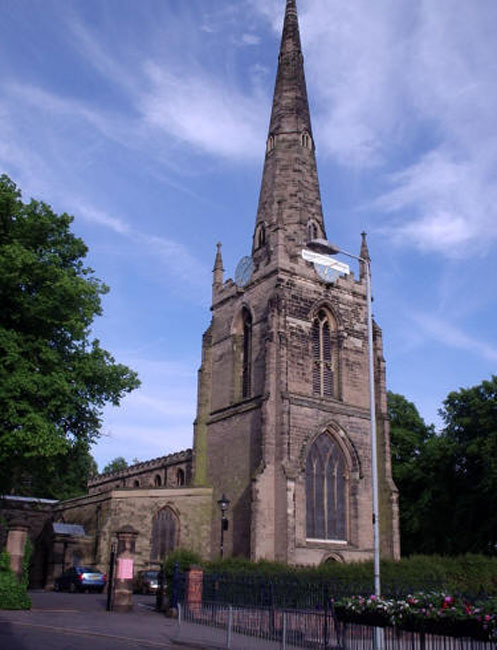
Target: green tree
[(409, 436), (470, 416), (115, 465), (447, 481), (409, 432), (63, 476), (54, 378)]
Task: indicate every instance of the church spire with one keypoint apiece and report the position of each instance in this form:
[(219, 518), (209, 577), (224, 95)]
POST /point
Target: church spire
[(289, 211), (290, 111)]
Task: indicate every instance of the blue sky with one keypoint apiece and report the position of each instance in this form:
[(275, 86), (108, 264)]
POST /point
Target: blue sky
[(147, 121)]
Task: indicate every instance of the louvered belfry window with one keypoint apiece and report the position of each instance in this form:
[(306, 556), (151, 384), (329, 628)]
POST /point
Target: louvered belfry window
[(323, 381), (247, 354), (326, 490), (164, 533)]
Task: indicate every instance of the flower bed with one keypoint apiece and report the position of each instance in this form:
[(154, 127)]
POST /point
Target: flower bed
[(435, 613)]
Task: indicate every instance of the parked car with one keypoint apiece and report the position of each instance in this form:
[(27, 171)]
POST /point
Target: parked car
[(81, 578), (147, 582)]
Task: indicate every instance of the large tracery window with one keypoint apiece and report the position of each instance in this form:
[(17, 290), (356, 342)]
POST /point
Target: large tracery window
[(323, 362), (326, 490), (164, 533)]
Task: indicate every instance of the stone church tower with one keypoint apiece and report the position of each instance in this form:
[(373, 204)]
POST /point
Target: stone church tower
[(282, 424)]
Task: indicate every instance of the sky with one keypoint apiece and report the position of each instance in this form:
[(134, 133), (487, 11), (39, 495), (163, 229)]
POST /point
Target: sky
[(146, 120)]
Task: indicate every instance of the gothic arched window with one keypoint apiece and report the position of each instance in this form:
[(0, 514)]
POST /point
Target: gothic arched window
[(157, 480), (242, 355), (323, 356), (312, 230), (306, 140), (260, 236), (326, 490), (165, 531), (246, 354), (180, 477)]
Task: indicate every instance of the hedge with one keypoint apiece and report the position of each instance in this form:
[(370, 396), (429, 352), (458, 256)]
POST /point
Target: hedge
[(14, 593), (470, 575)]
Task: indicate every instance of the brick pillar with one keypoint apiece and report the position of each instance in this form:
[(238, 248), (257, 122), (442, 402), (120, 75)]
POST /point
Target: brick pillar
[(16, 541), (123, 584), (194, 581)]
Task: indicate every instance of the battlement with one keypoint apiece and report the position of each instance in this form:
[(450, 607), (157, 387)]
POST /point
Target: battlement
[(173, 470)]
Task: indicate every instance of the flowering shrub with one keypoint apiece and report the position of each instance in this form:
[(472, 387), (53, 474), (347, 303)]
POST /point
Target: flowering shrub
[(435, 612)]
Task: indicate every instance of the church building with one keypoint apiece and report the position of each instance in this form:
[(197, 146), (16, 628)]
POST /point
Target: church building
[(283, 423), (283, 415)]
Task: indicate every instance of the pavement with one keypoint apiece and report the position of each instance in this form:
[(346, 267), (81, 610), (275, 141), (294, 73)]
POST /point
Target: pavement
[(63, 621)]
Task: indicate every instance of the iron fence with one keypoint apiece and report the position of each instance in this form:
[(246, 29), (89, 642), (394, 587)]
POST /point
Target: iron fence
[(297, 593), (243, 628)]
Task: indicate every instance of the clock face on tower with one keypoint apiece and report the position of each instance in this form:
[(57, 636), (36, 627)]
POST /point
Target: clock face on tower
[(244, 271), (326, 273)]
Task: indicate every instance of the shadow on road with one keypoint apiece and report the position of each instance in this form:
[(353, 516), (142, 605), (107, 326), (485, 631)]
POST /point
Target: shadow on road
[(9, 637)]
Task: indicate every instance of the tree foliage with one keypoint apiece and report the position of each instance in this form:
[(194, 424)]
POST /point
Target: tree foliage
[(447, 481), (115, 465), (470, 417), (54, 378), (409, 437)]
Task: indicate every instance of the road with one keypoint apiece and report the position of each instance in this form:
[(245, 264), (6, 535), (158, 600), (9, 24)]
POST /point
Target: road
[(63, 621)]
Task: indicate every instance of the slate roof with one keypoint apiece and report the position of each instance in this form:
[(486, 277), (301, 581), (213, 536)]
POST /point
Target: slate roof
[(69, 529)]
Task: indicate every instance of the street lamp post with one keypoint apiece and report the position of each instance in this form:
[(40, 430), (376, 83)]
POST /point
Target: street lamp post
[(223, 504), (325, 247)]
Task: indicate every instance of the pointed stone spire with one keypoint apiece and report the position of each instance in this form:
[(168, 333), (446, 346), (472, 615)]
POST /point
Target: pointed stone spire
[(290, 105), (364, 254), (218, 270), (290, 198)]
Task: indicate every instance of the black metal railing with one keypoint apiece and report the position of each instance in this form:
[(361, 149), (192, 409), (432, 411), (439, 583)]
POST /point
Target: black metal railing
[(297, 593), (229, 627)]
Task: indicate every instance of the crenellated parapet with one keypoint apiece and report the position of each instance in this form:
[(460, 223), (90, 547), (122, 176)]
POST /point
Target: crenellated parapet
[(173, 470)]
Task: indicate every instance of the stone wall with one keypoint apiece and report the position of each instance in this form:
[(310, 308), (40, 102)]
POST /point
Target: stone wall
[(103, 514)]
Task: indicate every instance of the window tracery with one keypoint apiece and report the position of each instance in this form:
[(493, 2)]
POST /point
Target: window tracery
[(326, 490)]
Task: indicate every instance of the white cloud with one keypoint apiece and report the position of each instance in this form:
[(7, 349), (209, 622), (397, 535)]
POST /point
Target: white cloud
[(204, 112), (449, 205), (412, 88), (447, 334), (250, 39), (100, 217), (174, 256)]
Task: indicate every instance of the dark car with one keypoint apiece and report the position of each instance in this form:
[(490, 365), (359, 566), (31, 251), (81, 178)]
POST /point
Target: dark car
[(147, 582), (81, 578)]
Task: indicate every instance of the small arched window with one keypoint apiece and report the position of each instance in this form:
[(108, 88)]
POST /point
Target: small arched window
[(326, 490), (136, 483), (260, 236), (312, 230), (324, 360), (157, 480), (180, 477), (306, 140), (270, 143), (165, 532)]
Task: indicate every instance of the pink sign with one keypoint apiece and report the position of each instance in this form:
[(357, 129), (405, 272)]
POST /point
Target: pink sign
[(124, 569)]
